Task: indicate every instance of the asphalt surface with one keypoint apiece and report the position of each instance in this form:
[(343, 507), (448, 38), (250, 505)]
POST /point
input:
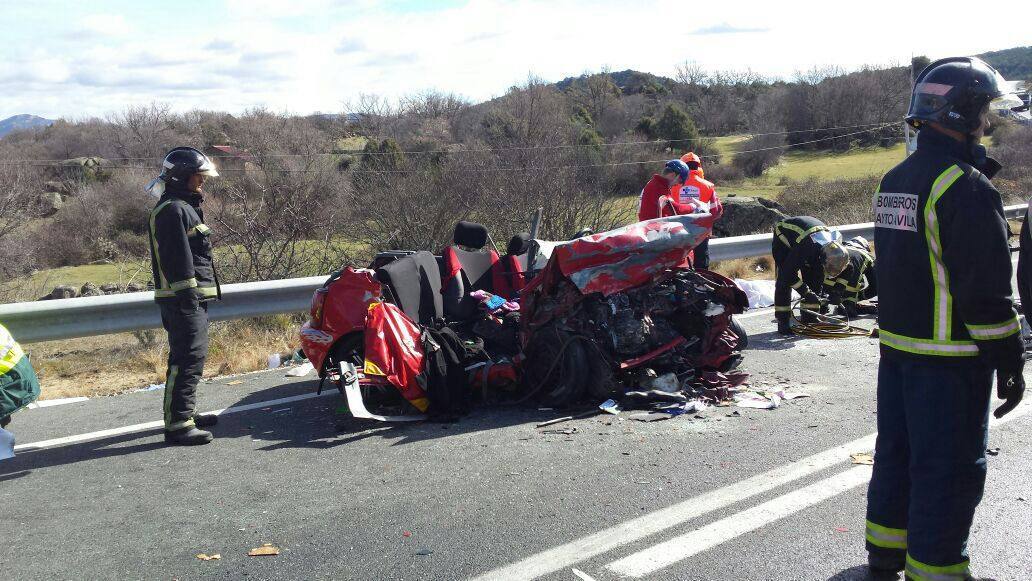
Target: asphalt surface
[(488, 497)]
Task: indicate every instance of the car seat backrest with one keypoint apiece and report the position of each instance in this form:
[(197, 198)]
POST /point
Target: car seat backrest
[(415, 283), (468, 267), (514, 265), (470, 234)]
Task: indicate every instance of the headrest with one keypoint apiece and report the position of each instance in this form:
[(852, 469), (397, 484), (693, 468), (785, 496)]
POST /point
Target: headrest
[(518, 244), (470, 235)]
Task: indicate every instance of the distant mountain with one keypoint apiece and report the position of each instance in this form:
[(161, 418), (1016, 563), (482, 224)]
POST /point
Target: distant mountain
[(1015, 64), (19, 122)]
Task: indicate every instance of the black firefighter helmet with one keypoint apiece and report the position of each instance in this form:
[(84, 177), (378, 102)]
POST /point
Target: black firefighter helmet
[(183, 162), (954, 91)]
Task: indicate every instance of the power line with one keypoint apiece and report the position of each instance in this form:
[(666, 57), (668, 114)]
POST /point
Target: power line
[(475, 150), (496, 169)]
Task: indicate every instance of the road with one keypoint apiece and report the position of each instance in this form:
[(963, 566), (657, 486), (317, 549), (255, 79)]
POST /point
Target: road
[(754, 495)]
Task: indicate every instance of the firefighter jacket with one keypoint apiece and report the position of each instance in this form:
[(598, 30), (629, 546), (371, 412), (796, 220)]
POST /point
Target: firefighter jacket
[(648, 204), (944, 268), (696, 192), (797, 258), (181, 255), (19, 385), (859, 275)]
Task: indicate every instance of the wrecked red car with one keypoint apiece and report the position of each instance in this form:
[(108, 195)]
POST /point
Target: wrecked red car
[(610, 312), (624, 305)]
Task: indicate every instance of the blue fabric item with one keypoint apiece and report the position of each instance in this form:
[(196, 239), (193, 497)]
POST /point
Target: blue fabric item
[(929, 465), (495, 302)]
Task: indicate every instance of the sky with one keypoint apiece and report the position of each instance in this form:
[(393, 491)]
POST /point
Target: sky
[(77, 59)]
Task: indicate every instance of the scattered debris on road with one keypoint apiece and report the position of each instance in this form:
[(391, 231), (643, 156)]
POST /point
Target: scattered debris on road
[(424, 552), (993, 451), (206, 557), (862, 458), (266, 550), (302, 370)]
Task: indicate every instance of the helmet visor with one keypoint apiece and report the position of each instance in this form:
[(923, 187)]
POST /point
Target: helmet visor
[(208, 169), (1006, 97)]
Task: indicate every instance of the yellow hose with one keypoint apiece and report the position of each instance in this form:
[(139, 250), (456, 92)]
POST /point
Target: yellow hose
[(827, 327)]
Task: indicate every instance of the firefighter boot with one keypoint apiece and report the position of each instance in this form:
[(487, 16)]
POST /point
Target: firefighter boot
[(205, 420), (785, 327), (188, 437)]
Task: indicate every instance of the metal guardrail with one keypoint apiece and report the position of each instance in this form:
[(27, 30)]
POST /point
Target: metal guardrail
[(759, 244), (86, 316)]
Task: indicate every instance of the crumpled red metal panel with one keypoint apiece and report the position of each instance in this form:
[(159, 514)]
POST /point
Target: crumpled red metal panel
[(610, 262), (394, 352)]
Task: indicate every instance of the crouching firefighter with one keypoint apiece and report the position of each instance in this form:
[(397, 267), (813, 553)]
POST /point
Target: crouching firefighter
[(947, 323), (856, 283), (805, 253), (184, 282)]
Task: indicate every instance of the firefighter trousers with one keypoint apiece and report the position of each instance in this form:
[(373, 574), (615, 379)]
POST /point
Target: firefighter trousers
[(929, 465), (186, 322)]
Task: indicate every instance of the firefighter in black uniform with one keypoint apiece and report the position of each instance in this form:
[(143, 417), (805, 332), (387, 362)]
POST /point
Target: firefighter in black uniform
[(856, 283), (946, 322), (184, 281), (805, 253)]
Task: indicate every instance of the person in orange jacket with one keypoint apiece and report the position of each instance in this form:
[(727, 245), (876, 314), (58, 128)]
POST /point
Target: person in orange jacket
[(695, 194), (674, 173)]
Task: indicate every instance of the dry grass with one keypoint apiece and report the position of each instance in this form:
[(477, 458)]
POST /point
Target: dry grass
[(760, 267), (112, 364)]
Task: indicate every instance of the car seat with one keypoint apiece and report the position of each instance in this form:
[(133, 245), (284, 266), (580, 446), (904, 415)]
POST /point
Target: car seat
[(414, 282), (514, 265), (468, 267)]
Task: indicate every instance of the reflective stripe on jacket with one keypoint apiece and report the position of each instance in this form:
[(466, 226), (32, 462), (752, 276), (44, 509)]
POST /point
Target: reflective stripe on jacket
[(181, 255), (803, 254), (944, 268)]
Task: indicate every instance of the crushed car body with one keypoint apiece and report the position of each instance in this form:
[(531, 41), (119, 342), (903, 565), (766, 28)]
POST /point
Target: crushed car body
[(602, 316)]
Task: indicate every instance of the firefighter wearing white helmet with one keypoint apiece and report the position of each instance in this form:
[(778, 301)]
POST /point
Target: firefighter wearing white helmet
[(184, 282), (856, 283)]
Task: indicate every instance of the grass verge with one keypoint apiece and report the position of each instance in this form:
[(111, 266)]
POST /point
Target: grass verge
[(113, 364)]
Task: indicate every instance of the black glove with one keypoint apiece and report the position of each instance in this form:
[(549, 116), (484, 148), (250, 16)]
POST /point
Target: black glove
[(1010, 386)]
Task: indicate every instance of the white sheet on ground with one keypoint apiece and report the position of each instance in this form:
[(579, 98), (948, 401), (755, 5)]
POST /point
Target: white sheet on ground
[(760, 292)]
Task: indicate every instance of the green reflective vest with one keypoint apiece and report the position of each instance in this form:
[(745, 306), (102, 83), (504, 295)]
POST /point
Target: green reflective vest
[(19, 385)]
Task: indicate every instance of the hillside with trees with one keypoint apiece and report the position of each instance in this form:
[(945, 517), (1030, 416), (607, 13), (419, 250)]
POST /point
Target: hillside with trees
[(1015, 64), (302, 194)]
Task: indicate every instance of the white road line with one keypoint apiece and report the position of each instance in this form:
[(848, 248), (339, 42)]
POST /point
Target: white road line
[(152, 425), (638, 528), (679, 548), (582, 575), (641, 527), (759, 312)]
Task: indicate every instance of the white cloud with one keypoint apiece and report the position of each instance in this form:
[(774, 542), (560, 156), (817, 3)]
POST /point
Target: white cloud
[(101, 25), (307, 55)]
